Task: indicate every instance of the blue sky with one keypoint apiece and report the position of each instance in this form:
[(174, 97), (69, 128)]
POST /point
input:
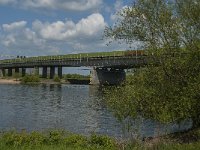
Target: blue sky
[(51, 27)]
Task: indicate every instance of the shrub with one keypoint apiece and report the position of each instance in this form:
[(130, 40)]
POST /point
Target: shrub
[(30, 78), (56, 79), (102, 141)]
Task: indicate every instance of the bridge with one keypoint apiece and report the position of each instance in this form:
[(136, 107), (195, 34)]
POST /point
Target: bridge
[(108, 67)]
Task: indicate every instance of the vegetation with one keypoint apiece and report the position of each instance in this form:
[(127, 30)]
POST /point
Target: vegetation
[(56, 78), (17, 76), (169, 32), (76, 76), (30, 79), (61, 140)]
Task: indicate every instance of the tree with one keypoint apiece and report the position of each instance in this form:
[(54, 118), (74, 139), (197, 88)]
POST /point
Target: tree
[(170, 30)]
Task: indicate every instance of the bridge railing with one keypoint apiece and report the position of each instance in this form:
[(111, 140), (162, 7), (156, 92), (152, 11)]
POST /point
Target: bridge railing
[(71, 57)]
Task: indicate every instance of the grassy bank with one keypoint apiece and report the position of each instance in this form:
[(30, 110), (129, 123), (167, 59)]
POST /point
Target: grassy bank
[(61, 140), (55, 140)]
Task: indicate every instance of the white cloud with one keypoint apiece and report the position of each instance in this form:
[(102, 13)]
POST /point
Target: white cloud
[(14, 26), (60, 37), (7, 1), (117, 7), (68, 5), (52, 38), (8, 40), (86, 27), (75, 5)]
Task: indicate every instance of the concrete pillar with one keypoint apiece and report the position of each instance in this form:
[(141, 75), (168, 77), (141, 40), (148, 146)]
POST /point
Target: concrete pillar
[(106, 76), (23, 72), (16, 70), (52, 72), (2, 72), (44, 72), (9, 72), (60, 72), (36, 71)]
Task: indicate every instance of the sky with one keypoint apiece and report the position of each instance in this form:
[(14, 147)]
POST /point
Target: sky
[(54, 27)]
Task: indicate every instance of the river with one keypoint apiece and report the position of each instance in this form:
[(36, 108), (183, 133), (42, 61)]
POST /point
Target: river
[(75, 108)]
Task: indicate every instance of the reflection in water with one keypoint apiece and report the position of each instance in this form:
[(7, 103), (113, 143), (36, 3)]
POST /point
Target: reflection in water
[(76, 108)]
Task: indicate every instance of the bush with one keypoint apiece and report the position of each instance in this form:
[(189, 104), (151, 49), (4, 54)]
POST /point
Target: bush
[(30, 79), (76, 76), (102, 141), (56, 79)]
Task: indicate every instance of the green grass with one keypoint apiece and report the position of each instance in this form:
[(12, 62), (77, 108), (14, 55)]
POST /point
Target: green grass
[(55, 140), (30, 79), (61, 140), (76, 76)]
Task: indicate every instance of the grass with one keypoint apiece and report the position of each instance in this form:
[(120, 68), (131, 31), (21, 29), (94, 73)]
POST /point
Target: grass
[(61, 140), (55, 140), (30, 79), (76, 76)]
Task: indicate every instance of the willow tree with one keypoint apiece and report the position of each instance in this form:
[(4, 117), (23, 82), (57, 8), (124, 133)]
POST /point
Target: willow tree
[(170, 33)]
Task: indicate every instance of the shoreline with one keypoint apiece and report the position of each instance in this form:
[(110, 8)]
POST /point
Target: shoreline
[(9, 81), (43, 81)]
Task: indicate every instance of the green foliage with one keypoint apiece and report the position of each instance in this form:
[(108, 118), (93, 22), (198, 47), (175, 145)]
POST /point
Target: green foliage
[(54, 140), (17, 76), (56, 79), (102, 141), (30, 79), (61, 140), (76, 76), (167, 89)]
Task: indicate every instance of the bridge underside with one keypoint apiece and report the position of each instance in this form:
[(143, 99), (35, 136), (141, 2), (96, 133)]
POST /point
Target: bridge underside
[(107, 76), (98, 75)]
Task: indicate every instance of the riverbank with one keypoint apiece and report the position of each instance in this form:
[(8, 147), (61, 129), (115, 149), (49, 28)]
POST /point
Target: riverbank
[(46, 81), (61, 140), (9, 81)]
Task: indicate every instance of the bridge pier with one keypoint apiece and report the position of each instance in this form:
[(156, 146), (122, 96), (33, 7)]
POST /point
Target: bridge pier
[(60, 72), (44, 72), (16, 70), (23, 72), (105, 76), (10, 72), (2, 72), (52, 72)]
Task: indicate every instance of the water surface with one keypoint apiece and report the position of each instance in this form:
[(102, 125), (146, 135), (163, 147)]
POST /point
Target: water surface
[(75, 108)]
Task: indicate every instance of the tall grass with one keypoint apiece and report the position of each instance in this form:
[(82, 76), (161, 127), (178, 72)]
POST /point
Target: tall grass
[(61, 140), (55, 140)]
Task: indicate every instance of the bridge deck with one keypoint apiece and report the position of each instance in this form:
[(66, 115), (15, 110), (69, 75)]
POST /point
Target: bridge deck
[(114, 62), (122, 59)]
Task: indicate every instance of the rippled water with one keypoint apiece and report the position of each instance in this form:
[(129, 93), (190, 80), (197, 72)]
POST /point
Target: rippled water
[(75, 108)]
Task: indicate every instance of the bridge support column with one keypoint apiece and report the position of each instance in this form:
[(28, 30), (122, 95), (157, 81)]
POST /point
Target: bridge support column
[(60, 72), (23, 72), (16, 70), (52, 72), (9, 72), (44, 72), (2, 72), (105, 76)]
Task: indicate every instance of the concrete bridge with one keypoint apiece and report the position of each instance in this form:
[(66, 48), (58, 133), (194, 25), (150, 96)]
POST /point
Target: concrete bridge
[(107, 69)]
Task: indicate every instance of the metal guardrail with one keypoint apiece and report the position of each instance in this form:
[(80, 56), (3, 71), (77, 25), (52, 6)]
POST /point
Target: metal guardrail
[(100, 61)]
